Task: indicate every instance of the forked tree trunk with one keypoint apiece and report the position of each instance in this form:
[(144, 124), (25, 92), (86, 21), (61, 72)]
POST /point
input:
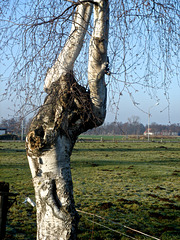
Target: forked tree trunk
[(68, 110)]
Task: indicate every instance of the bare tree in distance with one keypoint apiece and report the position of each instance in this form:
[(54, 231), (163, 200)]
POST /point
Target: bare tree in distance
[(143, 46)]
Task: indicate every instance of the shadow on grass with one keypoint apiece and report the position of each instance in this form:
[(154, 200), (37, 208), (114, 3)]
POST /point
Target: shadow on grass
[(101, 163), (7, 150), (126, 149), (23, 166)]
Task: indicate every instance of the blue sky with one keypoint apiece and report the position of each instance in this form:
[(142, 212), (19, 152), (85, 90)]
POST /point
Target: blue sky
[(159, 113)]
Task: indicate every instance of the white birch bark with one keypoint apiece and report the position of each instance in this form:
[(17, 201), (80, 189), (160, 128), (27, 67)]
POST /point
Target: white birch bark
[(98, 59), (73, 45), (68, 110), (49, 151), (56, 216)]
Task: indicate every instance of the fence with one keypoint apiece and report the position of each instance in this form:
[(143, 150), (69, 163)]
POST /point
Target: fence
[(6, 200)]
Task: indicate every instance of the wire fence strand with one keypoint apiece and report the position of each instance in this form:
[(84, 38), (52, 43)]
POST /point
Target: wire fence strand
[(115, 223), (111, 229)]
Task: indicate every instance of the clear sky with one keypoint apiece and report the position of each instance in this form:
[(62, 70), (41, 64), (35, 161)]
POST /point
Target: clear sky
[(163, 113)]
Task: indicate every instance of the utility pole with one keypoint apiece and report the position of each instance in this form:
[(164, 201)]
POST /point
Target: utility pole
[(22, 129), (149, 117)]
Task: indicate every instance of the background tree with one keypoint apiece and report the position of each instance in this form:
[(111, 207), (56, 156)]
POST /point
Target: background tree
[(119, 128), (134, 123), (143, 50), (12, 125)]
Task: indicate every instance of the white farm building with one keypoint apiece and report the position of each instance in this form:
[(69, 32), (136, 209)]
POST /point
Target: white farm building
[(3, 131)]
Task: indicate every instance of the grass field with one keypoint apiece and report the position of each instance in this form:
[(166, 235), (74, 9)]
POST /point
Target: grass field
[(130, 185), (127, 138)]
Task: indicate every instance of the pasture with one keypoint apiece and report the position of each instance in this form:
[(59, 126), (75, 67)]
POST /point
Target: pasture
[(119, 187)]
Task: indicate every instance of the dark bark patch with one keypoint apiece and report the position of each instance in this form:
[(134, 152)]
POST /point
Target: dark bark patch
[(36, 138), (39, 132), (54, 193), (40, 161)]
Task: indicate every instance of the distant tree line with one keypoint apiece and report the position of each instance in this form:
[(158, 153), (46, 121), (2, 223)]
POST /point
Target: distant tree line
[(15, 125), (134, 127), (131, 127)]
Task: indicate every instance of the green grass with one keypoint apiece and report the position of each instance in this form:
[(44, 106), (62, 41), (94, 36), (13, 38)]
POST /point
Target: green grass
[(131, 138), (133, 184), (101, 137)]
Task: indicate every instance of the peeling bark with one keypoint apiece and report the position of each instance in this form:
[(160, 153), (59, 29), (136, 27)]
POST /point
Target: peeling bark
[(68, 110)]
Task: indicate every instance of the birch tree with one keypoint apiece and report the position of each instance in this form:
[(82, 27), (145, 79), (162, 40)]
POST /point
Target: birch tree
[(68, 110), (143, 51)]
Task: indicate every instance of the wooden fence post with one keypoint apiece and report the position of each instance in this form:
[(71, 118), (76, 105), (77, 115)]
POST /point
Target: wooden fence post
[(4, 192)]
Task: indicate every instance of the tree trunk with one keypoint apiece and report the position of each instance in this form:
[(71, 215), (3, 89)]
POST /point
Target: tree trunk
[(68, 110)]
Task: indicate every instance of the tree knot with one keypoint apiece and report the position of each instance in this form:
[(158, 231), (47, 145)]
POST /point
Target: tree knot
[(35, 139)]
